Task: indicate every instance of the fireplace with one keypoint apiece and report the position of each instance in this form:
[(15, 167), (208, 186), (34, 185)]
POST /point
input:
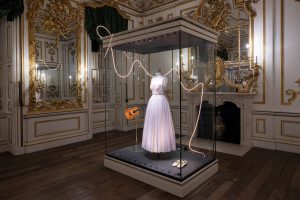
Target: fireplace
[(228, 123), (232, 116), (227, 129)]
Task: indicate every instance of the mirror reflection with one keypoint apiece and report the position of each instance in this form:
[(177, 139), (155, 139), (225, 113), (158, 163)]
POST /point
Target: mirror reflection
[(236, 69), (234, 52), (54, 37), (56, 66)]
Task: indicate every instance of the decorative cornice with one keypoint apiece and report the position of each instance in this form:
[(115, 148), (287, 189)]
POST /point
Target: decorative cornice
[(111, 3), (138, 6)]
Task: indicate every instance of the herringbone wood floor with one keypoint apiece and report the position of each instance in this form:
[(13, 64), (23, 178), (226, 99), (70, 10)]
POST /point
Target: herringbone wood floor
[(76, 172)]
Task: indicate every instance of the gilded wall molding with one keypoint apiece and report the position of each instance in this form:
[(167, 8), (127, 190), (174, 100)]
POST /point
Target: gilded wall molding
[(293, 94), (283, 102), (257, 126), (61, 19), (263, 101)]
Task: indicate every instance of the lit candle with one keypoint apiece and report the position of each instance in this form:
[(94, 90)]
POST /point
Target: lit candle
[(192, 65), (36, 72), (43, 78), (70, 78), (192, 58), (177, 66)]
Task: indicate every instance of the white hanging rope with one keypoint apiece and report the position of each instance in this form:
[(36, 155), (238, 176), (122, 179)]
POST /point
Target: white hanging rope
[(109, 48), (195, 128), (175, 69), (51, 68), (130, 58)]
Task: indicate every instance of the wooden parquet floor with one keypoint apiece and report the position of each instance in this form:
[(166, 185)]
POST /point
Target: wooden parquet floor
[(76, 171)]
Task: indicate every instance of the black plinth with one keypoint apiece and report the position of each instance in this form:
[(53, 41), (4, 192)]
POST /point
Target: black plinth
[(162, 163)]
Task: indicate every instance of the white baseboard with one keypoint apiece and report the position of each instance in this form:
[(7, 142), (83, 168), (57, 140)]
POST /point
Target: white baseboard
[(276, 145)]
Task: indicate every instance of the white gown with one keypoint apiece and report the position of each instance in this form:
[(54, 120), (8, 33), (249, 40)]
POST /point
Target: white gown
[(158, 132)]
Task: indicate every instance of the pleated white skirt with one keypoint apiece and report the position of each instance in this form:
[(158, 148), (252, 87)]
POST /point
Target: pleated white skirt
[(158, 132)]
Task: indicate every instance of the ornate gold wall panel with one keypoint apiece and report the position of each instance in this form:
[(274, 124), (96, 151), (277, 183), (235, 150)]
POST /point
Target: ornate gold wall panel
[(60, 19)]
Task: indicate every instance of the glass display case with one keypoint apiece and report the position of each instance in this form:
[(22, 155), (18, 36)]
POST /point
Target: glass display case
[(162, 69)]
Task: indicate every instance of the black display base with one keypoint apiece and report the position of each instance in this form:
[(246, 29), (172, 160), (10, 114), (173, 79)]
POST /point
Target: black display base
[(162, 162)]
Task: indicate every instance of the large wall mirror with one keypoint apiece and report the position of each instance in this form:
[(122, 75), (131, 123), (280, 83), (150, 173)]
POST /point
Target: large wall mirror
[(54, 28), (236, 68)]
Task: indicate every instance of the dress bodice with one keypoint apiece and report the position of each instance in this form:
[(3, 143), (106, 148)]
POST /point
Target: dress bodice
[(158, 85)]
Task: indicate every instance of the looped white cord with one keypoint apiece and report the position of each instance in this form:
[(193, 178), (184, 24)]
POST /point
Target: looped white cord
[(194, 131), (110, 39), (131, 68), (55, 68), (145, 70), (131, 58), (175, 69)]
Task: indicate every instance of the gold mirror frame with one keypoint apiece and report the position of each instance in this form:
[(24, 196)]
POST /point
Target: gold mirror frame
[(215, 15), (52, 25)]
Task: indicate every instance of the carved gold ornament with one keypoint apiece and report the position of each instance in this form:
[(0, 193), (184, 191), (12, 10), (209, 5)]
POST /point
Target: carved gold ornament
[(213, 13), (58, 18), (293, 94)]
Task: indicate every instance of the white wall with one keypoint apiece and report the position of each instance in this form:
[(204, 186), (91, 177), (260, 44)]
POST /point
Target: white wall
[(276, 121)]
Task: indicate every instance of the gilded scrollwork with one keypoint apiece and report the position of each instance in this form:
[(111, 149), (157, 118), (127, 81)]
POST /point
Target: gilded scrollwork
[(59, 19), (213, 14), (293, 94), (52, 49), (216, 14), (249, 82)]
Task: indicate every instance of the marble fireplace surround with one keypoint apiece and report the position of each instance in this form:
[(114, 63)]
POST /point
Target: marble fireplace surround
[(244, 101)]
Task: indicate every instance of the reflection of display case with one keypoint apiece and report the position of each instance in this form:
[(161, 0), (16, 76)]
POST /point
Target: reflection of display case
[(101, 80), (188, 48)]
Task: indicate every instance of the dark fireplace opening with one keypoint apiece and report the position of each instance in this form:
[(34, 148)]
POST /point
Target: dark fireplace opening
[(227, 119)]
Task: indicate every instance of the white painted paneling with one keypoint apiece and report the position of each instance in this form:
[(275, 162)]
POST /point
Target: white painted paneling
[(46, 129), (279, 131), (57, 126), (276, 121), (263, 126), (287, 129)]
